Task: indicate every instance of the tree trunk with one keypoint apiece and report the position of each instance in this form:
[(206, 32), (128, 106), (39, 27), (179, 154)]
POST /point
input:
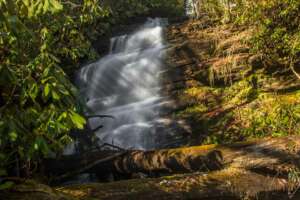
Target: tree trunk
[(230, 183), (269, 154)]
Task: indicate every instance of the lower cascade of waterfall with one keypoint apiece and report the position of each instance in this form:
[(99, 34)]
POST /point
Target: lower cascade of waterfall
[(125, 84)]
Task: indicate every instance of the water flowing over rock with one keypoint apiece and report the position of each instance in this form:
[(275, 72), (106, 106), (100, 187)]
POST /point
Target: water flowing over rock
[(190, 8), (126, 84)]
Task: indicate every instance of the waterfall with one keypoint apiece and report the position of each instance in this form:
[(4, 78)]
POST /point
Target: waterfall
[(190, 8), (126, 85)]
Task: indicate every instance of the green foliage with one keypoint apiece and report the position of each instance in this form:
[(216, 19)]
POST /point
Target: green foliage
[(6, 184), (279, 33), (213, 7), (276, 21), (240, 111), (276, 117), (37, 100), (124, 9), (168, 7)]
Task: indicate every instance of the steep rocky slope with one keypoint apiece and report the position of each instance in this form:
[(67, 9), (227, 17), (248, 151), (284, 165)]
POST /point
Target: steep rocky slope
[(222, 90)]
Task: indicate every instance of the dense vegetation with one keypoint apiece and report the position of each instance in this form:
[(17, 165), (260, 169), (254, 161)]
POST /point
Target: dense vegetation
[(276, 22)]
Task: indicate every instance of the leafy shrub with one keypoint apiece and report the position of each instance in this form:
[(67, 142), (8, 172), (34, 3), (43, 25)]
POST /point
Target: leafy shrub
[(37, 100), (279, 32), (275, 117), (277, 23)]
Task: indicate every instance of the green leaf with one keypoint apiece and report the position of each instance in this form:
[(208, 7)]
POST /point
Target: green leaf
[(55, 96), (7, 76), (39, 8), (6, 185), (13, 136), (66, 139), (2, 127), (61, 127), (77, 120), (41, 144), (286, 120), (54, 58), (46, 71), (47, 90), (56, 6), (26, 3), (46, 6), (63, 91), (34, 90), (3, 172), (62, 116)]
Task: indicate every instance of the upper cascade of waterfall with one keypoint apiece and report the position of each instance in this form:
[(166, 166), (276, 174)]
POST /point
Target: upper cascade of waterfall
[(190, 8), (125, 84), (148, 34)]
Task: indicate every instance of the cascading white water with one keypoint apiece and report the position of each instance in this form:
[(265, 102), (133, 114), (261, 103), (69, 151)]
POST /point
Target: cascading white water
[(190, 8), (125, 84)]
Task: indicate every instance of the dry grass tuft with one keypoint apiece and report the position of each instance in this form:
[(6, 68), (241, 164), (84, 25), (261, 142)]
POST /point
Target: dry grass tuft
[(236, 41), (224, 67)]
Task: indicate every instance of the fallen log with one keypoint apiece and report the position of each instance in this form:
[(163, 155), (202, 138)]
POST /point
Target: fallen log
[(270, 154), (230, 183), (260, 169)]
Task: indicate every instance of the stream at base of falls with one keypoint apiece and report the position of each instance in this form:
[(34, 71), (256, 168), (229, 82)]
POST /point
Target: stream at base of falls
[(126, 84)]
